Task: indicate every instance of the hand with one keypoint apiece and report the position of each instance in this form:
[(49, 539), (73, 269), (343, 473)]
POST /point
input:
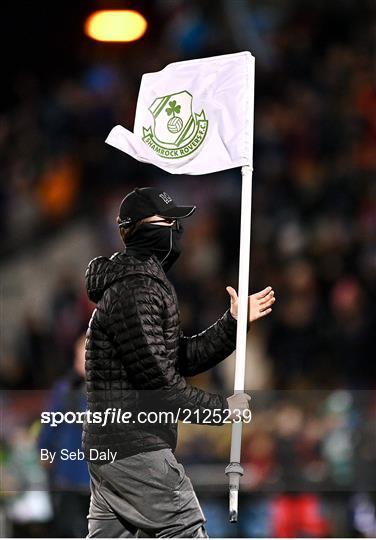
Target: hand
[(259, 304), (238, 403)]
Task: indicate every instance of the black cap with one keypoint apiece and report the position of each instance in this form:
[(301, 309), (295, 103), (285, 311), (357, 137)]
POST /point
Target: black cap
[(145, 202)]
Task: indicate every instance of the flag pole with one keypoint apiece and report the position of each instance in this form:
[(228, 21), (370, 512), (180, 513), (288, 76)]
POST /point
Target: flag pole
[(234, 470)]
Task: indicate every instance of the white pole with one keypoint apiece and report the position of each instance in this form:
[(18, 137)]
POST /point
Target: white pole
[(244, 262), (234, 469)]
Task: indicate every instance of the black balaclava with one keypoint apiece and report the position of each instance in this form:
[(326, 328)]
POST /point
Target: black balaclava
[(158, 240)]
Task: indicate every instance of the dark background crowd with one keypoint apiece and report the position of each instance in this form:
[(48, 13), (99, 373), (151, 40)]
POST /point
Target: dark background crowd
[(310, 451)]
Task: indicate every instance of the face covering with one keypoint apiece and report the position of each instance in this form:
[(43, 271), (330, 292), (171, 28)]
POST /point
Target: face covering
[(163, 242)]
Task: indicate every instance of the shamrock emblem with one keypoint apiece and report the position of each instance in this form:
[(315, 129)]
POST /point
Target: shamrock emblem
[(173, 108)]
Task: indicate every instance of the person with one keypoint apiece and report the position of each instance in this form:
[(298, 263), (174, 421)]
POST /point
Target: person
[(137, 356), (68, 479)]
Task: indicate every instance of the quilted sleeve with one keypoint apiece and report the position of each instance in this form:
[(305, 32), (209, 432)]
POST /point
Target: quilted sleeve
[(205, 350), (138, 329)]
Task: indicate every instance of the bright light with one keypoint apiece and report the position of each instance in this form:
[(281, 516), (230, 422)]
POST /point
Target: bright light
[(115, 25)]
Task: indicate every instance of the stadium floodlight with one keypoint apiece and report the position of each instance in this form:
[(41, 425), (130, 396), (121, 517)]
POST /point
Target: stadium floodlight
[(116, 25)]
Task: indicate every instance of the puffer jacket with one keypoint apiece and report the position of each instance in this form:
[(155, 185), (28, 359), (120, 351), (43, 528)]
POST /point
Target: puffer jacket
[(136, 352)]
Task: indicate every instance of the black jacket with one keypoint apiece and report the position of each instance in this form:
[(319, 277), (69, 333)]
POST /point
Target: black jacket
[(136, 353)]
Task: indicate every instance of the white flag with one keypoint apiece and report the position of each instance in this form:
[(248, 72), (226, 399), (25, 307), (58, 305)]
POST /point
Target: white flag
[(193, 117)]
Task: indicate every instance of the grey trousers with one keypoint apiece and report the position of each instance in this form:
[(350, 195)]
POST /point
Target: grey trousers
[(147, 495)]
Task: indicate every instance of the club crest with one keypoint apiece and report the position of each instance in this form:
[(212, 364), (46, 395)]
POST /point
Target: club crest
[(176, 131)]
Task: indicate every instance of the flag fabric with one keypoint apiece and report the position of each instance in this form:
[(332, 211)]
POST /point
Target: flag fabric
[(193, 117)]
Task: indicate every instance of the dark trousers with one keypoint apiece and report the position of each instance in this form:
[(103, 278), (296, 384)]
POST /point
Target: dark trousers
[(146, 495)]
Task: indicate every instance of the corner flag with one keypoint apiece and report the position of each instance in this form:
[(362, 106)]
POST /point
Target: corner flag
[(193, 117)]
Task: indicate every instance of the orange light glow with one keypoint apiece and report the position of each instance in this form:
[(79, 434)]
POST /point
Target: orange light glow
[(115, 25)]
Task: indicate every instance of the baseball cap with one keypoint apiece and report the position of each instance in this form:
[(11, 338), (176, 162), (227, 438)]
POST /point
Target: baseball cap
[(145, 202)]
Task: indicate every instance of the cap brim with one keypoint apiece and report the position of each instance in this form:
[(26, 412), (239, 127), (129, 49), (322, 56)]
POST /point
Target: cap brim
[(178, 212)]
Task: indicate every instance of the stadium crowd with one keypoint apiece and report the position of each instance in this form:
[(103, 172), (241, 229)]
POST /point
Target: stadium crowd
[(312, 240)]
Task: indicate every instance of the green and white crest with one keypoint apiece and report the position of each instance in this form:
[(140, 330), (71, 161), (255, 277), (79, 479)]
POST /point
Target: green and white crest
[(177, 131)]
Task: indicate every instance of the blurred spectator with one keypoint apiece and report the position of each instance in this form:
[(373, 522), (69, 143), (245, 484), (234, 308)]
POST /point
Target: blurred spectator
[(28, 505), (363, 515), (296, 341), (351, 340), (68, 479), (299, 516), (33, 351)]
